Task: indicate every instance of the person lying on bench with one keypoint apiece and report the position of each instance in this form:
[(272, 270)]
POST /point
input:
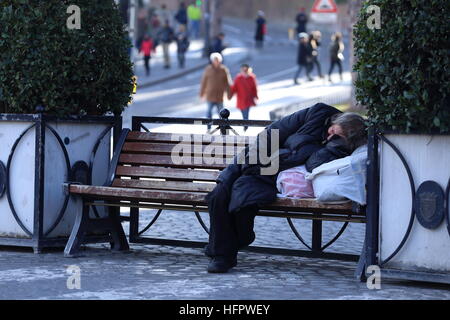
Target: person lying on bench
[(311, 136)]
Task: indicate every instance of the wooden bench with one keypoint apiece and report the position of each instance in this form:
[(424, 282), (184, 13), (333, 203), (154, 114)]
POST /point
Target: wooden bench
[(144, 175)]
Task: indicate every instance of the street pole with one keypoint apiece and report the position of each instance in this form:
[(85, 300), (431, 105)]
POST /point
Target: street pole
[(206, 18), (132, 29)]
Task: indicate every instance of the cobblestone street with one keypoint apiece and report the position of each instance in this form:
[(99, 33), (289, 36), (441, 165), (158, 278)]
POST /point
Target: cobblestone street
[(162, 272)]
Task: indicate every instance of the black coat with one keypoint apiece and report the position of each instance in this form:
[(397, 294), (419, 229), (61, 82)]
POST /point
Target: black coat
[(304, 53), (259, 34), (301, 135)]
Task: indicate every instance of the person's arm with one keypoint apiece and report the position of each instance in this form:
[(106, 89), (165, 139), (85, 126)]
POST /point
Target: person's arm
[(203, 84), (254, 87)]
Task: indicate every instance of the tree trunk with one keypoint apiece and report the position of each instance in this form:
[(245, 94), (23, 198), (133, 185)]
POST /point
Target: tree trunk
[(354, 8)]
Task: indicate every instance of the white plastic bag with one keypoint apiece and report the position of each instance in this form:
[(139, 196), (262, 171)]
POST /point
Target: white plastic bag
[(341, 179), (292, 183)]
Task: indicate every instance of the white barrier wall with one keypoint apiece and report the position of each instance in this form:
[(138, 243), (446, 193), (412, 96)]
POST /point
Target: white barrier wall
[(429, 159), (80, 139)]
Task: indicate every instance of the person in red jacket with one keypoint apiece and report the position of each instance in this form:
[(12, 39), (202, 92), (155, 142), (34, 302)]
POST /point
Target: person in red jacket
[(246, 91), (146, 49)]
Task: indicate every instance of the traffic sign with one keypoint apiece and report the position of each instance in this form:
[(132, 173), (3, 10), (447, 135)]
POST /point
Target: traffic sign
[(324, 6), (324, 11)]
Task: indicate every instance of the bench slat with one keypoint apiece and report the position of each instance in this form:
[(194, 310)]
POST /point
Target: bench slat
[(176, 138), (166, 161), (164, 185), (129, 194), (167, 149), (198, 198), (167, 173)]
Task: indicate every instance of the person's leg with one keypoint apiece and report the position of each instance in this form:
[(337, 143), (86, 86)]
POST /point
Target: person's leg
[(166, 55), (319, 68), (147, 65), (244, 222), (297, 73), (209, 112), (331, 69), (339, 63), (245, 114)]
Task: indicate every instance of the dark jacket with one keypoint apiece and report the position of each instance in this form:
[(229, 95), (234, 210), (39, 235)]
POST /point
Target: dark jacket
[(260, 29), (181, 16), (166, 35), (304, 54), (301, 135)]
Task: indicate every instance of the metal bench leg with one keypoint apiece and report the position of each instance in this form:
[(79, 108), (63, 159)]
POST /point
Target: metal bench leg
[(78, 232), (317, 235), (360, 272), (120, 242)]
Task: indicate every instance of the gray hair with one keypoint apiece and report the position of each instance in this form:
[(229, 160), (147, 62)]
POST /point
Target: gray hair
[(353, 127), (215, 55)]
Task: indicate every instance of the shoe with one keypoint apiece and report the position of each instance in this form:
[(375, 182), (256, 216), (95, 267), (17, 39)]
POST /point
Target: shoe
[(295, 82), (221, 264)]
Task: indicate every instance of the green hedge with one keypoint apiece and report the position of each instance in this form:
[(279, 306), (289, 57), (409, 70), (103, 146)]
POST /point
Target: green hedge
[(404, 67), (69, 72)]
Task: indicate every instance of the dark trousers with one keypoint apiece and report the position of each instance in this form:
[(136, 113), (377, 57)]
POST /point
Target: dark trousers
[(181, 59), (245, 114), (333, 63), (228, 232), (317, 64), (147, 64), (308, 68)]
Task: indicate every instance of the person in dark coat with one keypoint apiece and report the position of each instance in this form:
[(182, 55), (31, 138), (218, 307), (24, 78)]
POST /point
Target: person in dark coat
[(217, 44), (336, 54), (182, 45), (181, 15), (314, 42), (261, 30), (310, 136), (302, 20), (304, 57)]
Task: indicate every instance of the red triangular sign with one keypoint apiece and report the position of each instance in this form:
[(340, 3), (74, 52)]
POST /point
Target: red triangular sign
[(324, 6)]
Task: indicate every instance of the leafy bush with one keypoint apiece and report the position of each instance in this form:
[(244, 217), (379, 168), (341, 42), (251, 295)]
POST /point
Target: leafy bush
[(68, 71), (404, 67)]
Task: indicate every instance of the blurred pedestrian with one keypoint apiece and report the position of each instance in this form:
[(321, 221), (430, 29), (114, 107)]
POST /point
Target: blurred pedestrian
[(165, 38), (336, 54), (181, 15), (164, 14), (194, 13), (182, 45), (304, 57), (146, 49), (302, 20), (314, 41), (217, 43), (261, 30), (215, 82), (245, 88)]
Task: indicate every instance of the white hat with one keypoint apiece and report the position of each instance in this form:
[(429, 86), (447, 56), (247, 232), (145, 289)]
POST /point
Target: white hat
[(303, 35), (261, 13), (215, 55)]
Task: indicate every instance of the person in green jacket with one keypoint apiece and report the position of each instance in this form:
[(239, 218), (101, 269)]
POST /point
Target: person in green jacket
[(194, 13)]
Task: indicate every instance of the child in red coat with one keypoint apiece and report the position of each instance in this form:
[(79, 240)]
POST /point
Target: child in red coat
[(246, 91)]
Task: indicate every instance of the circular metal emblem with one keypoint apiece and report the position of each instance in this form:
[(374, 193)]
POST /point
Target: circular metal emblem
[(80, 172), (2, 179), (429, 204)]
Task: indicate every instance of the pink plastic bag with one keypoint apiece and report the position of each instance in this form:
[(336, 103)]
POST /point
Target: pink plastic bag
[(292, 183)]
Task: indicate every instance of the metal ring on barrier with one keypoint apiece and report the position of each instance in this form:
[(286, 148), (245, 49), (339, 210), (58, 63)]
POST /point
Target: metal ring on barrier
[(448, 206), (2, 179), (8, 189), (413, 192), (66, 199)]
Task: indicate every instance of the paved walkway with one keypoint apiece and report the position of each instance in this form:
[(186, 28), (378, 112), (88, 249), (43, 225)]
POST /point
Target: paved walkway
[(162, 272)]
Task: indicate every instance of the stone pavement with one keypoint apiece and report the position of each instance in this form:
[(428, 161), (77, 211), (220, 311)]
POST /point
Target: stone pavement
[(162, 272)]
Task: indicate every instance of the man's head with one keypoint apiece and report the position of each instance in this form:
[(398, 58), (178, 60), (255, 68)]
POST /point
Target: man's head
[(303, 37), (351, 126), (216, 59)]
